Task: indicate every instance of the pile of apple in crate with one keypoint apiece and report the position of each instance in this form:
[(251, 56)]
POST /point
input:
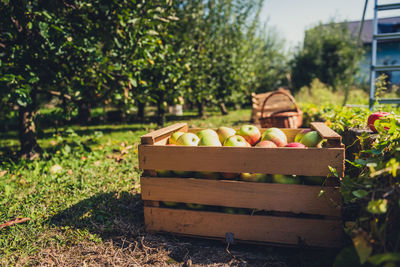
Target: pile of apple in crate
[(274, 186)]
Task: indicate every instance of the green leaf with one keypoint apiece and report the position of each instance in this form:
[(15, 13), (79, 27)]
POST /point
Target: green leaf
[(378, 206), (347, 258), (334, 171), (379, 259), (362, 246), (360, 193)]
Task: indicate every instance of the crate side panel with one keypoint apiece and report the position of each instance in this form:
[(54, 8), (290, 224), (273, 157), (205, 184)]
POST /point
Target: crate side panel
[(238, 194), (309, 161), (291, 231)]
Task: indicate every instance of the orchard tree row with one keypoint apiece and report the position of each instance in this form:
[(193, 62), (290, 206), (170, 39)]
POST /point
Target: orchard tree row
[(128, 53)]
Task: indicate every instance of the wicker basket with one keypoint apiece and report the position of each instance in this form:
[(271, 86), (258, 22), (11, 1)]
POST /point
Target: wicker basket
[(282, 119)]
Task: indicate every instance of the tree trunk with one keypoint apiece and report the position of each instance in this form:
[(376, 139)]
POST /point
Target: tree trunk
[(141, 107), (84, 112), (160, 113), (200, 109), (223, 109), (27, 132)]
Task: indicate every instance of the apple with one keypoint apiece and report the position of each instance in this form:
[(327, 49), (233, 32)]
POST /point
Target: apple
[(314, 180), (225, 132), (172, 139), (188, 139), (295, 144), (209, 140), (236, 140), (207, 132), (194, 206), (373, 117), (311, 139), (207, 175), (300, 135), (285, 179), (170, 203), (268, 144), (251, 133), (275, 135), (164, 173), (254, 177)]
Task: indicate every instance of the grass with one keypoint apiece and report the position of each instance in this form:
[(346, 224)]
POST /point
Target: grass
[(83, 201)]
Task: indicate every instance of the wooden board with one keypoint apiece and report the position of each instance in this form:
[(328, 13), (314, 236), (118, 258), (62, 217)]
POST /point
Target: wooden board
[(333, 138), (162, 133), (291, 231), (239, 194), (309, 161)]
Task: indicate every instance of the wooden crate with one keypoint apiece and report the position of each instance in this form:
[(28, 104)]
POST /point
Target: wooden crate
[(294, 214)]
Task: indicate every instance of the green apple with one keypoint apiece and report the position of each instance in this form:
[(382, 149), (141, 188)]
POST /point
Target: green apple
[(209, 140), (164, 173), (188, 139), (172, 139), (311, 139), (207, 175), (300, 135), (194, 206), (207, 132), (236, 140), (170, 203), (286, 179), (275, 135), (225, 132), (251, 133), (314, 180), (254, 177)]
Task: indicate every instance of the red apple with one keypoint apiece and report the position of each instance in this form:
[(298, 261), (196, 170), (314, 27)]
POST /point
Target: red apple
[(275, 135), (295, 144), (373, 117), (268, 144), (251, 133)]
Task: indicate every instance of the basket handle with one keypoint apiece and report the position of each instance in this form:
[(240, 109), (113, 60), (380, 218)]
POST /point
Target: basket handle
[(291, 98)]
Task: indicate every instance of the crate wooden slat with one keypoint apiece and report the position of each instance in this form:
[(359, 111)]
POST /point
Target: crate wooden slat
[(310, 161), (261, 196), (282, 230)]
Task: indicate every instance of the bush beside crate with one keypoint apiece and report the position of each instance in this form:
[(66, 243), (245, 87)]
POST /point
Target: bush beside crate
[(290, 214)]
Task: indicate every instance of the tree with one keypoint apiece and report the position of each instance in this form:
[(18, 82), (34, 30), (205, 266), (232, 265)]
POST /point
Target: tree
[(329, 53)]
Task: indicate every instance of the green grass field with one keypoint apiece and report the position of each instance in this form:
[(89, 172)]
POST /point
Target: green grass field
[(83, 201)]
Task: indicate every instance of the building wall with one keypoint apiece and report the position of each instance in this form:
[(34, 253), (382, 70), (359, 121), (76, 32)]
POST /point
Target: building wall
[(388, 54)]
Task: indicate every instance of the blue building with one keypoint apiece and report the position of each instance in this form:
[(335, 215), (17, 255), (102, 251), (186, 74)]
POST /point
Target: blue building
[(388, 51)]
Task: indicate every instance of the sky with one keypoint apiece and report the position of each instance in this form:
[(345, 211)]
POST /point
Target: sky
[(292, 17)]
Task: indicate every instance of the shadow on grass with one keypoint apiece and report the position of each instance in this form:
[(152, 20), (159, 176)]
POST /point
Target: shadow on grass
[(119, 217)]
